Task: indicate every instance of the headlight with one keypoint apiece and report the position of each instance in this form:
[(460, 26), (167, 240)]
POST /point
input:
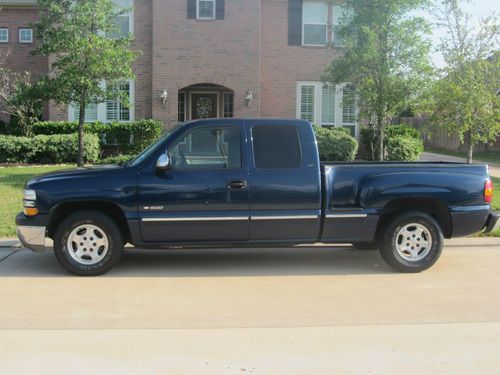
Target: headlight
[(30, 203)]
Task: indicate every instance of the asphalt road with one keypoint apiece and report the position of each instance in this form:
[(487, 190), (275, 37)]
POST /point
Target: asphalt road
[(305, 310), (429, 156)]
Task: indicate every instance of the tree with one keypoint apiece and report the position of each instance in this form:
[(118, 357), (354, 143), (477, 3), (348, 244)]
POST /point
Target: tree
[(386, 59), (18, 97), (82, 38), (466, 100)]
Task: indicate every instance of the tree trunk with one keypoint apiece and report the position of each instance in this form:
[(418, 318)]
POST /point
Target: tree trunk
[(81, 122), (470, 147), (380, 131)]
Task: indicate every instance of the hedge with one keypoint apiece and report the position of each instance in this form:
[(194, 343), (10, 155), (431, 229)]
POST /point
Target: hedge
[(336, 144), (119, 137), (393, 131), (404, 148), (58, 148), (118, 159)]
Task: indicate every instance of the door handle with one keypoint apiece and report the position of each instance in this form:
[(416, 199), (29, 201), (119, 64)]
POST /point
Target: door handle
[(234, 185)]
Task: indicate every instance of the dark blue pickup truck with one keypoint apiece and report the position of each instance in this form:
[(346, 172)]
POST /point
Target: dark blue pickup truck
[(244, 182)]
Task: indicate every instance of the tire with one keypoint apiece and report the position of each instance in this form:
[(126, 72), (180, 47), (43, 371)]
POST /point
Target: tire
[(101, 245), (365, 245), (412, 255)]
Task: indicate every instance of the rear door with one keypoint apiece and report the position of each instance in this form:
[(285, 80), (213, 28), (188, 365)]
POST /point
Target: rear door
[(285, 181)]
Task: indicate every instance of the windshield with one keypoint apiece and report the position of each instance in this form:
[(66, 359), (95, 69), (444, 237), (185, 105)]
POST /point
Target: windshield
[(150, 149)]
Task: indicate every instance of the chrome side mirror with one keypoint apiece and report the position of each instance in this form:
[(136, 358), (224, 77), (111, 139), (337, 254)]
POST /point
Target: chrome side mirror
[(163, 163)]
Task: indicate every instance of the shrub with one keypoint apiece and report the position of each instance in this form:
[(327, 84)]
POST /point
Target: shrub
[(335, 144), (120, 137), (58, 148), (118, 159), (404, 148), (393, 131)]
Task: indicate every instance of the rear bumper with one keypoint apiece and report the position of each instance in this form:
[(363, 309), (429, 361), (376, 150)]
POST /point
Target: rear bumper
[(31, 232), (493, 223)]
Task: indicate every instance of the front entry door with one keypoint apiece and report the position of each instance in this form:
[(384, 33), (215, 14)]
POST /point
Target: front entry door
[(203, 106)]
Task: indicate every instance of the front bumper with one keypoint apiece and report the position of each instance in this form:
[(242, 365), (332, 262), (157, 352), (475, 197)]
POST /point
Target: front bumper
[(31, 232), (493, 223)]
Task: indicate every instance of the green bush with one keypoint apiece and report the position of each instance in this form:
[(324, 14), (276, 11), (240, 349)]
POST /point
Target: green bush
[(49, 149), (393, 131), (404, 148), (118, 159), (335, 144), (117, 137)]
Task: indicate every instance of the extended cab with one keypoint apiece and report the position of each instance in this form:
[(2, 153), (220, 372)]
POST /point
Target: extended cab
[(237, 182)]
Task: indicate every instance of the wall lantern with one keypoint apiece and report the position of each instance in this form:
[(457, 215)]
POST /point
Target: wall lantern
[(164, 96), (249, 98)]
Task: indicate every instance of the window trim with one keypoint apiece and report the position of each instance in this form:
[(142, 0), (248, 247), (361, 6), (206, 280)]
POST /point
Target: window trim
[(316, 24), (25, 41), (7, 34), (213, 10)]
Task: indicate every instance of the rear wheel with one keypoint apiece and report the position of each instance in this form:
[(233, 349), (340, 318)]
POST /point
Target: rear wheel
[(88, 243), (412, 242)]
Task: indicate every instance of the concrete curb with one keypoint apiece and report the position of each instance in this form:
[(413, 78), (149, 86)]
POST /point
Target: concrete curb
[(10, 242)]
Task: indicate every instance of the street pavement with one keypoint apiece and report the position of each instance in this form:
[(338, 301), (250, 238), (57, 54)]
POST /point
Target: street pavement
[(312, 310), (429, 156)]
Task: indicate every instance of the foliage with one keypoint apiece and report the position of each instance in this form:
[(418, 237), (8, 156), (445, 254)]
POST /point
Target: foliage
[(335, 144), (20, 100), (122, 137), (400, 148), (465, 97), (83, 39), (118, 159), (58, 148), (369, 135), (386, 58)]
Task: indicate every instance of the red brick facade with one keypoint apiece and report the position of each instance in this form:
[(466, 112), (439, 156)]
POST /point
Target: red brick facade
[(246, 52)]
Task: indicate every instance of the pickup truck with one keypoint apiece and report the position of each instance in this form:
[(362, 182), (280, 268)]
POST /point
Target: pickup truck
[(252, 182)]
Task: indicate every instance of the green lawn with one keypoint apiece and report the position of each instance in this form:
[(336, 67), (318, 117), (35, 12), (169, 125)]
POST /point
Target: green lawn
[(487, 157), (12, 180)]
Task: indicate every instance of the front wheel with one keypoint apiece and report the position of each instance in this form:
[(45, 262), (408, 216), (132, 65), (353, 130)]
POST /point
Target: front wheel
[(88, 243), (412, 242)]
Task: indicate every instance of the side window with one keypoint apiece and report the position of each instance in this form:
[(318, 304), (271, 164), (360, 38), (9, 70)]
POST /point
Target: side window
[(208, 148), (276, 147)]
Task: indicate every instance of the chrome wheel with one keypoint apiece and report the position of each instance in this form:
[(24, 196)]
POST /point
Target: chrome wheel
[(413, 242), (87, 244)]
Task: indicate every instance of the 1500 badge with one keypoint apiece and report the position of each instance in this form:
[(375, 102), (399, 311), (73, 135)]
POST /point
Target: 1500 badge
[(153, 208)]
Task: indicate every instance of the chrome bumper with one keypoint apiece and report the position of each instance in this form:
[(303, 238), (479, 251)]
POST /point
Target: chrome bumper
[(31, 237)]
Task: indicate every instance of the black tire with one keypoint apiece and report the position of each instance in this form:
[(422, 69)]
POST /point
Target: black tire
[(365, 245), (391, 239), (106, 225)]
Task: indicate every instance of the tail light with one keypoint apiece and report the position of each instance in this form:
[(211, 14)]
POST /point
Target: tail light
[(488, 191)]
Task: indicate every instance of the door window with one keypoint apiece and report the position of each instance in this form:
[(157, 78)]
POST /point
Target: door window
[(208, 148), (276, 147)]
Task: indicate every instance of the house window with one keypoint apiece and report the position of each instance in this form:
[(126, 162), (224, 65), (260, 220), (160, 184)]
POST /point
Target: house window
[(205, 9), (4, 35), (123, 22), (181, 107), (314, 24), (327, 105), (91, 114), (116, 110), (338, 14), (307, 102), (228, 105), (25, 36)]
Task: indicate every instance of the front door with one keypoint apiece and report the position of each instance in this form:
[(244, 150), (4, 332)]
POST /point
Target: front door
[(204, 196), (203, 106)]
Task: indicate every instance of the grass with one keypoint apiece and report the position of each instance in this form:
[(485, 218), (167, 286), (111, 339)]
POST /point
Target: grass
[(487, 157), (12, 180)]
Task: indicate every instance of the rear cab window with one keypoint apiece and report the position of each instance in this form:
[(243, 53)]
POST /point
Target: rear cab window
[(276, 147)]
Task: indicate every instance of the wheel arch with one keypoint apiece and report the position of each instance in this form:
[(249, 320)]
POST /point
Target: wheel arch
[(432, 206), (105, 207)]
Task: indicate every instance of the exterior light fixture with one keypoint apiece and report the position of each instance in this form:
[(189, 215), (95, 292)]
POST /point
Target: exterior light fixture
[(249, 98), (164, 96)]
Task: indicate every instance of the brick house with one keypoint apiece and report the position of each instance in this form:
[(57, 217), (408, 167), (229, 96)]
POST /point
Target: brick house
[(211, 58)]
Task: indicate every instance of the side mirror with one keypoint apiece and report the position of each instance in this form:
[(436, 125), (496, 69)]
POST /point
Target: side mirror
[(163, 163)]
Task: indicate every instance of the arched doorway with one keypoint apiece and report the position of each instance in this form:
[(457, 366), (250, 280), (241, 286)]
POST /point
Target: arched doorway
[(205, 100)]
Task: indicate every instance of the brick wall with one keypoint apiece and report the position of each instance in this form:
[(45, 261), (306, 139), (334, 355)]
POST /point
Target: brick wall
[(17, 55)]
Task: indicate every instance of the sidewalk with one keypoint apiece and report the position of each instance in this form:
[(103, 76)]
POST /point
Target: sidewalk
[(429, 156)]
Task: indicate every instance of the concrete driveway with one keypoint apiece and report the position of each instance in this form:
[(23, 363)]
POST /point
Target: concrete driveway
[(429, 156), (315, 310)]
